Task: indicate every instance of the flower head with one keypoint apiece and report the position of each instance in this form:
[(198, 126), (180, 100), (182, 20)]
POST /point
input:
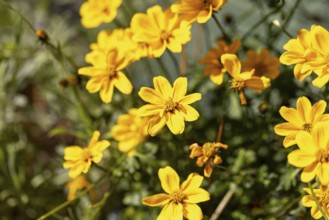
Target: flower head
[(106, 73), (197, 10), (322, 195), (212, 60), (95, 12), (76, 184), (303, 118), (313, 153), (79, 159), (263, 63), (242, 80), (130, 130), (160, 30), (207, 154), (179, 200), (168, 105)]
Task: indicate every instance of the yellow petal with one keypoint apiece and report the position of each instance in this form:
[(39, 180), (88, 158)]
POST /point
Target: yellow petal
[(155, 124), (204, 16), (320, 135), (94, 84), (94, 138), (317, 110), (286, 128), (106, 91), (72, 153), (304, 109), (192, 211), (167, 212), (290, 139), (319, 38), (151, 96), (308, 201), (169, 179), (157, 200), (197, 195), (232, 64), (306, 143), (149, 109), (322, 173), (309, 172), (190, 113), (162, 86), (189, 99), (321, 80), (291, 115), (315, 212), (192, 182), (208, 169), (76, 171), (180, 88), (176, 122), (299, 158), (177, 211), (122, 83)]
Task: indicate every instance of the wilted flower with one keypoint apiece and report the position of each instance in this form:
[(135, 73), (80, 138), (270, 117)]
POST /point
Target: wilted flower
[(76, 184)]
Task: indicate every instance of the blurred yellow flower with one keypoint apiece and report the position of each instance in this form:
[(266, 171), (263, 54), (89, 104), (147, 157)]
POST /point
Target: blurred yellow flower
[(313, 153), (197, 10), (303, 118), (106, 74), (180, 200), (129, 131), (207, 154), (95, 12), (310, 52), (242, 80), (76, 184), (263, 63), (214, 66), (160, 30), (322, 195), (168, 105), (79, 159)]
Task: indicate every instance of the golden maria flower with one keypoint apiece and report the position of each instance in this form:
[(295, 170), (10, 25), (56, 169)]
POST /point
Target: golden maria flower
[(106, 73), (76, 184), (313, 153), (168, 105), (310, 52), (160, 30), (303, 118), (130, 130), (79, 159), (263, 63), (179, 200), (322, 195), (207, 154), (95, 12), (197, 10), (242, 80), (214, 66)]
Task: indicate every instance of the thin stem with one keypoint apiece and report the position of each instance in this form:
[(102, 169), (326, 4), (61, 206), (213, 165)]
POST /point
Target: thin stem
[(163, 67), (174, 60), (264, 18), (183, 62), (317, 202), (225, 35), (220, 130), (222, 204)]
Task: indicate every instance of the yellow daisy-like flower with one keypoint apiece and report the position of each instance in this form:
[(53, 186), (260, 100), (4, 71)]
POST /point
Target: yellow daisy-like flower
[(303, 118), (313, 154), (179, 200), (160, 30), (106, 74), (322, 195), (76, 184), (207, 154), (79, 159), (95, 12), (214, 66), (168, 105), (242, 80), (263, 63), (197, 10), (130, 130)]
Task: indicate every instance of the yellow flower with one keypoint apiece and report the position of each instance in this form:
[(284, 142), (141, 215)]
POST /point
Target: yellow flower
[(80, 159), (214, 66), (242, 80), (197, 10), (95, 12), (76, 184), (160, 30), (106, 74), (263, 63), (168, 105), (180, 200), (303, 118), (313, 153), (130, 130), (207, 154), (310, 53), (322, 195)]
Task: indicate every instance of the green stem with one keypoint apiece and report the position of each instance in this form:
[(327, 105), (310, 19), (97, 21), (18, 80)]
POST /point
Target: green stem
[(225, 35), (264, 18), (163, 68), (174, 60), (317, 202)]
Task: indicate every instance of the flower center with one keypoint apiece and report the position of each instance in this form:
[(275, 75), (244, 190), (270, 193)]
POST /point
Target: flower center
[(238, 84), (177, 197), (170, 106), (323, 157), (324, 198), (106, 11), (307, 127), (208, 149), (206, 4), (164, 36), (87, 155)]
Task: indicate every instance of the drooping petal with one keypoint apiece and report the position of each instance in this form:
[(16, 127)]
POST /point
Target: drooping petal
[(169, 179), (192, 211), (208, 169), (157, 200)]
